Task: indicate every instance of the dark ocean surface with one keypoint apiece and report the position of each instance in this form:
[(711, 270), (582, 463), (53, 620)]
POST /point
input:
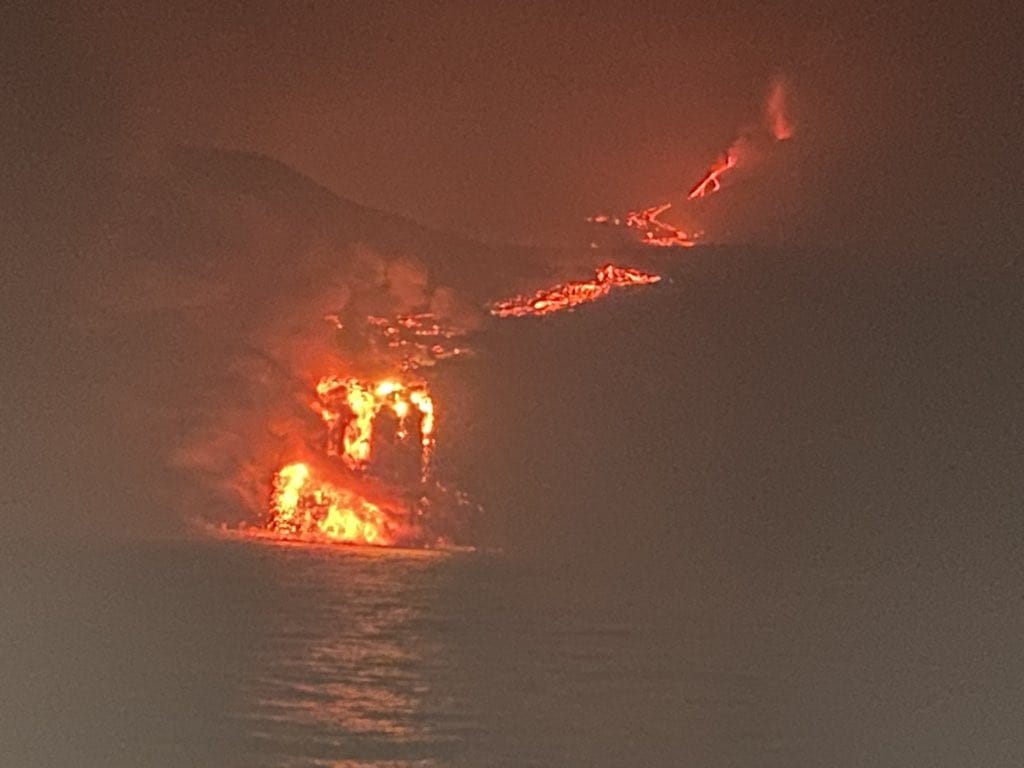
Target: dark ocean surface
[(212, 653)]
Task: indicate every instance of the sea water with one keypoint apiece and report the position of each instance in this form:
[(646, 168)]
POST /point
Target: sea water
[(210, 653)]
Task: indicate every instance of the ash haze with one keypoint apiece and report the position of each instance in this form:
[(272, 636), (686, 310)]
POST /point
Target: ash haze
[(765, 511)]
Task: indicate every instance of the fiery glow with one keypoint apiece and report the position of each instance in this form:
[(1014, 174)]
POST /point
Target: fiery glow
[(653, 231), (305, 508), (569, 295), (349, 408), (710, 182), (373, 485), (308, 507)]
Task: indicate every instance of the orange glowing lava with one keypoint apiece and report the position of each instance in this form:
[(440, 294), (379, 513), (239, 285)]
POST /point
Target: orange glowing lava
[(349, 408), (657, 232), (710, 182), (368, 480), (572, 294), (305, 508), (653, 231)]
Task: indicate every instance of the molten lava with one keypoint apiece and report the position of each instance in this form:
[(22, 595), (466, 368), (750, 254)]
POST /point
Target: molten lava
[(419, 339), (349, 407), (654, 231), (307, 509), (307, 505), (710, 182), (373, 484), (380, 436), (572, 294)]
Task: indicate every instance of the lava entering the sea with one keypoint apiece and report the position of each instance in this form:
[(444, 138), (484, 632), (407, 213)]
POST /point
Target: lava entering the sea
[(370, 483), (307, 508), (369, 479)]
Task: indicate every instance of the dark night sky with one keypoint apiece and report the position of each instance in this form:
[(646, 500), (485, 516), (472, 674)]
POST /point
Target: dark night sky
[(890, 338)]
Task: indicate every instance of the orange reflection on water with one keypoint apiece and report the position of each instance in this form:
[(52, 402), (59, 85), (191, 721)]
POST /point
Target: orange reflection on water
[(343, 674)]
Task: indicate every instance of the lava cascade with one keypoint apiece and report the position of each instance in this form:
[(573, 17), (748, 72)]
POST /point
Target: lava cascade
[(394, 452)]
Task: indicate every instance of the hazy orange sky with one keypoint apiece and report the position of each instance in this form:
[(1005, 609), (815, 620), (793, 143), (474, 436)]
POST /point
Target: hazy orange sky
[(508, 122)]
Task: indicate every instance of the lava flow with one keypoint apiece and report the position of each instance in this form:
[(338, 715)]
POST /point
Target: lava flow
[(305, 508), (378, 443), (655, 232), (349, 409), (571, 294), (369, 481), (419, 339), (372, 479), (710, 183)]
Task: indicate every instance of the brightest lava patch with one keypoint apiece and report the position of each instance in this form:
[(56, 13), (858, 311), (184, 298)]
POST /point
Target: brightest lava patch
[(307, 509), (305, 506)]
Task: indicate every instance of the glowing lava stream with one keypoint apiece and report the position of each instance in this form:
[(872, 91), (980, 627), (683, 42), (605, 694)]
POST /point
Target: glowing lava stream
[(569, 295), (710, 182), (655, 232)]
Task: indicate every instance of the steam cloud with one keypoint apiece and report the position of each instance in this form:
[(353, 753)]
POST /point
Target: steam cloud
[(258, 282)]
